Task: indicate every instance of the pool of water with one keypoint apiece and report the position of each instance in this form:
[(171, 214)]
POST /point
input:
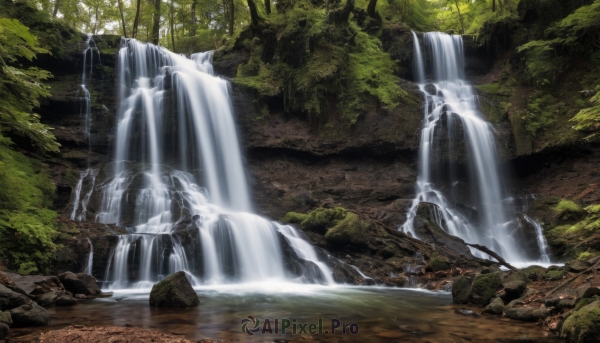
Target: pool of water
[(380, 314)]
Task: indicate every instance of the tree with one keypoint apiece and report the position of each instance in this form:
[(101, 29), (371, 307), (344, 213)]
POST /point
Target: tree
[(268, 6), (229, 12), (136, 21), (156, 24), (122, 18)]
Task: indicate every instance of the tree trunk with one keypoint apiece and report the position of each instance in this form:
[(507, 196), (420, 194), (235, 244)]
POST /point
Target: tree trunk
[(371, 8), (171, 24), (231, 17), (193, 28), (460, 18), (156, 24), (96, 18), (493, 5), (268, 6), (122, 18), (254, 17), (56, 6), (136, 21)]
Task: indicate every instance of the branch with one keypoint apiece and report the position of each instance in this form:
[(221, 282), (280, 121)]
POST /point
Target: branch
[(493, 254)]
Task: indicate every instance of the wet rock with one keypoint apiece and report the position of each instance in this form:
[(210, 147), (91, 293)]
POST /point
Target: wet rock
[(428, 231), (461, 290), (30, 315), (3, 331), (6, 318), (80, 283), (65, 300), (514, 285), (583, 326), (36, 284), (437, 263), (465, 312), (566, 303), (526, 314), (174, 291), (80, 296), (587, 291), (578, 266), (555, 275), (495, 307), (10, 299), (534, 272), (47, 299), (484, 288)]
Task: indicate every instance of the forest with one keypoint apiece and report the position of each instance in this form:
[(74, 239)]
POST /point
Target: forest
[(239, 154)]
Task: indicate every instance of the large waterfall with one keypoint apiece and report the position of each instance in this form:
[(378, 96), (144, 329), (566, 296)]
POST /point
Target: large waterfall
[(454, 138), (177, 183)]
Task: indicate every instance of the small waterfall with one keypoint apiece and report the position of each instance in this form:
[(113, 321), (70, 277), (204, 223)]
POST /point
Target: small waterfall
[(179, 186), (86, 183), (541, 240), (455, 135), (90, 261)]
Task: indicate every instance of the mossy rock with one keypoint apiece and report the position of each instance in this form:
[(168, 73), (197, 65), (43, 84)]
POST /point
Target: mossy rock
[(318, 220), (174, 291), (515, 284), (485, 287), (350, 231), (461, 290), (437, 263), (583, 326), (294, 218), (495, 307), (555, 274)]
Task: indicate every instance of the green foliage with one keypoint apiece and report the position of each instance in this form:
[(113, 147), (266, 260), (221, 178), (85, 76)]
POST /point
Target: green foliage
[(27, 227), (542, 110), (588, 119), (21, 88), (419, 15), (566, 209)]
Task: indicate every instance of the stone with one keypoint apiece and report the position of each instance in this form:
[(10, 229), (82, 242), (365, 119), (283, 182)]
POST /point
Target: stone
[(577, 266), (515, 284), (566, 303), (461, 290), (428, 231), (65, 300), (30, 315), (174, 291), (47, 299), (437, 263), (583, 326), (534, 272), (36, 284), (484, 288), (555, 274), (10, 299), (527, 314), (80, 296), (3, 331), (590, 292), (6, 318), (496, 306), (80, 283)]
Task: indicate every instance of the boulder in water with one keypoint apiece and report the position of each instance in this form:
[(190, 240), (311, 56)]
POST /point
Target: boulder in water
[(174, 291), (527, 314), (66, 300), (80, 283), (430, 232), (10, 299), (31, 314), (496, 306), (47, 299), (484, 288)]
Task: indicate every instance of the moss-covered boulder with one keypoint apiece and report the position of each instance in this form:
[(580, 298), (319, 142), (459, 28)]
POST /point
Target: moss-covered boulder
[(461, 290), (525, 314), (496, 306), (583, 326), (484, 288), (174, 291), (437, 263), (318, 220), (515, 284), (555, 274), (351, 231), (534, 272)]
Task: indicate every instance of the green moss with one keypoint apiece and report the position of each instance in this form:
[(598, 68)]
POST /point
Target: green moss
[(294, 218), (323, 218), (567, 209), (437, 263), (583, 325), (350, 231), (484, 288), (588, 119), (584, 255), (555, 274)]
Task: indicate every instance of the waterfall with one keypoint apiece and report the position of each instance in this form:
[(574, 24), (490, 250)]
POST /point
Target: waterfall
[(455, 135), (541, 240), (90, 261), (178, 183)]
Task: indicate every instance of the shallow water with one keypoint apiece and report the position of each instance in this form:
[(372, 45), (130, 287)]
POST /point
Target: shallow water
[(382, 315)]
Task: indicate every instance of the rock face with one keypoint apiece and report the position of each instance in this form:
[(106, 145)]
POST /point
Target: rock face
[(80, 283), (430, 232), (583, 326), (30, 314), (36, 284), (174, 291)]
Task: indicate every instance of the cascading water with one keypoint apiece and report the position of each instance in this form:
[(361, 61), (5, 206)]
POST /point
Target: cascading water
[(179, 186), (454, 134), (90, 261)]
